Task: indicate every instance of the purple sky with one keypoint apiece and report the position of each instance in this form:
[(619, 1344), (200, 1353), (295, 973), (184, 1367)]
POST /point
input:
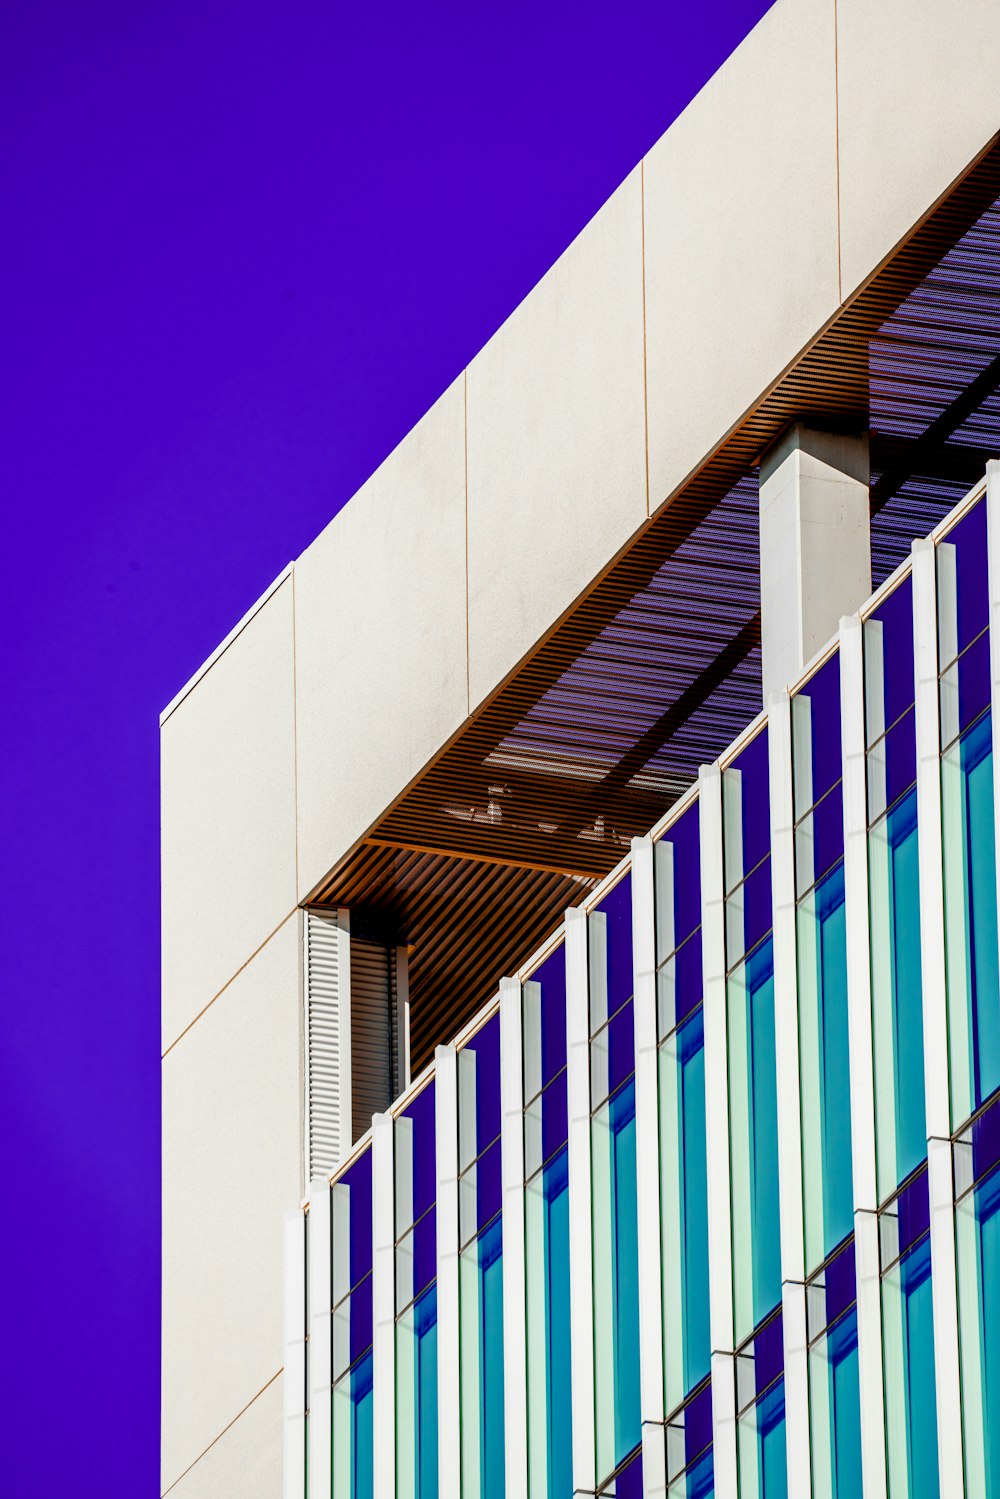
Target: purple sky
[(245, 247)]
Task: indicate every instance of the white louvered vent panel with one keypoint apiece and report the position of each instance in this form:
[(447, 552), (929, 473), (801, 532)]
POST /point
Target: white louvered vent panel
[(371, 1033), (325, 1041)]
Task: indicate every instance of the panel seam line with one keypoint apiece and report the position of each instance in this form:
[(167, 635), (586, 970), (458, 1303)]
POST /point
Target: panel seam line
[(222, 1433), (256, 952)]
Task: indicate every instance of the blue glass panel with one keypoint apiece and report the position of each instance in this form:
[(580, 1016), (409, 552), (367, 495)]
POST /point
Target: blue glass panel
[(679, 986), (479, 1193), (832, 1291), (545, 1126), (895, 616), (359, 1310), (416, 1259), (977, 913), (988, 1225), (822, 692), (772, 1462), (362, 1450), (918, 1349), (421, 1114), (625, 1256), (698, 1482), (965, 689), (559, 1410), (697, 1342), (764, 1133), (845, 1409), (426, 1433), (913, 1211), (972, 590), (698, 1422), (613, 1055), (486, 1046), (892, 765), (616, 907), (834, 1117), (358, 1179), (551, 975), (986, 1141), (911, 1127), (684, 836), (768, 1354), (627, 1482), (752, 765), (756, 898), (490, 1342), (819, 840)]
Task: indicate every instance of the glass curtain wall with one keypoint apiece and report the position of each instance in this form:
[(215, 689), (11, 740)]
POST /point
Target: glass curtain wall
[(546, 1231), (416, 1300), (683, 1169), (760, 1425), (977, 1242), (967, 815), (690, 1470), (351, 1332), (480, 1265), (613, 1181), (828, 1198), (894, 890), (908, 1342), (753, 1122), (834, 1392)]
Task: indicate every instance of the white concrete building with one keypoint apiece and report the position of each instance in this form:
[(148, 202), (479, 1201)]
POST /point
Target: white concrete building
[(767, 365)]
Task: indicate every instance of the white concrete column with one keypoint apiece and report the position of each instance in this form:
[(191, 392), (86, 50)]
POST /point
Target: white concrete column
[(933, 978), (786, 1034), (294, 1377), (647, 1134), (862, 1074), (815, 547), (446, 1187), (320, 1340), (383, 1307), (720, 1244), (515, 1354), (580, 1214)]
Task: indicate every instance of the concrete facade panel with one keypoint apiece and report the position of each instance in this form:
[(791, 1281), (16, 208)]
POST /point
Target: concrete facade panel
[(380, 622), (915, 108), (741, 235), (228, 814), (232, 1099), (557, 469), (245, 1462)]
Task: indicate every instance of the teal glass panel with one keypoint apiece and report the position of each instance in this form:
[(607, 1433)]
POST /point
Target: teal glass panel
[(897, 1015), (977, 1235), (908, 1351), (835, 1411), (828, 1199), (550, 1427), (616, 1280), (763, 1470), (416, 1399), (481, 1365), (352, 1433), (697, 1482), (753, 1111), (684, 1210), (971, 919)]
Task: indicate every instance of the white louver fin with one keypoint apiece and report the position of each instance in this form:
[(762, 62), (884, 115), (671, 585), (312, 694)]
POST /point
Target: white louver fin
[(328, 1072)]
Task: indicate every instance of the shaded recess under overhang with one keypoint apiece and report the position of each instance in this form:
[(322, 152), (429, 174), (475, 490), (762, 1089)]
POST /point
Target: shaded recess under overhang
[(657, 668)]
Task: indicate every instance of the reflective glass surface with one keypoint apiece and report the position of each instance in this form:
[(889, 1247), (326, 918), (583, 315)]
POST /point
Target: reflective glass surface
[(416, 1299), (351, 1330), (690, 1473), (834, 1392), (546, 1230), (481, 1365), (684, 1209), (908, 1343), (977, 1242)]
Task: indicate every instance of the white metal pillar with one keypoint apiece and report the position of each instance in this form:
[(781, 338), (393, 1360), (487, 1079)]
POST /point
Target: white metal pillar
[(446, 1186), (383, 1307), (786, 1033), (862, 1073), (515, 1403), (294, 1377), (993, 557), (815, 548), (932, 959), (720, 1244), (320, 1340), (580, 1217)]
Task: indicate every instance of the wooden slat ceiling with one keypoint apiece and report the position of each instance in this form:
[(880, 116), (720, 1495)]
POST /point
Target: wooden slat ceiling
[(657, 668)]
